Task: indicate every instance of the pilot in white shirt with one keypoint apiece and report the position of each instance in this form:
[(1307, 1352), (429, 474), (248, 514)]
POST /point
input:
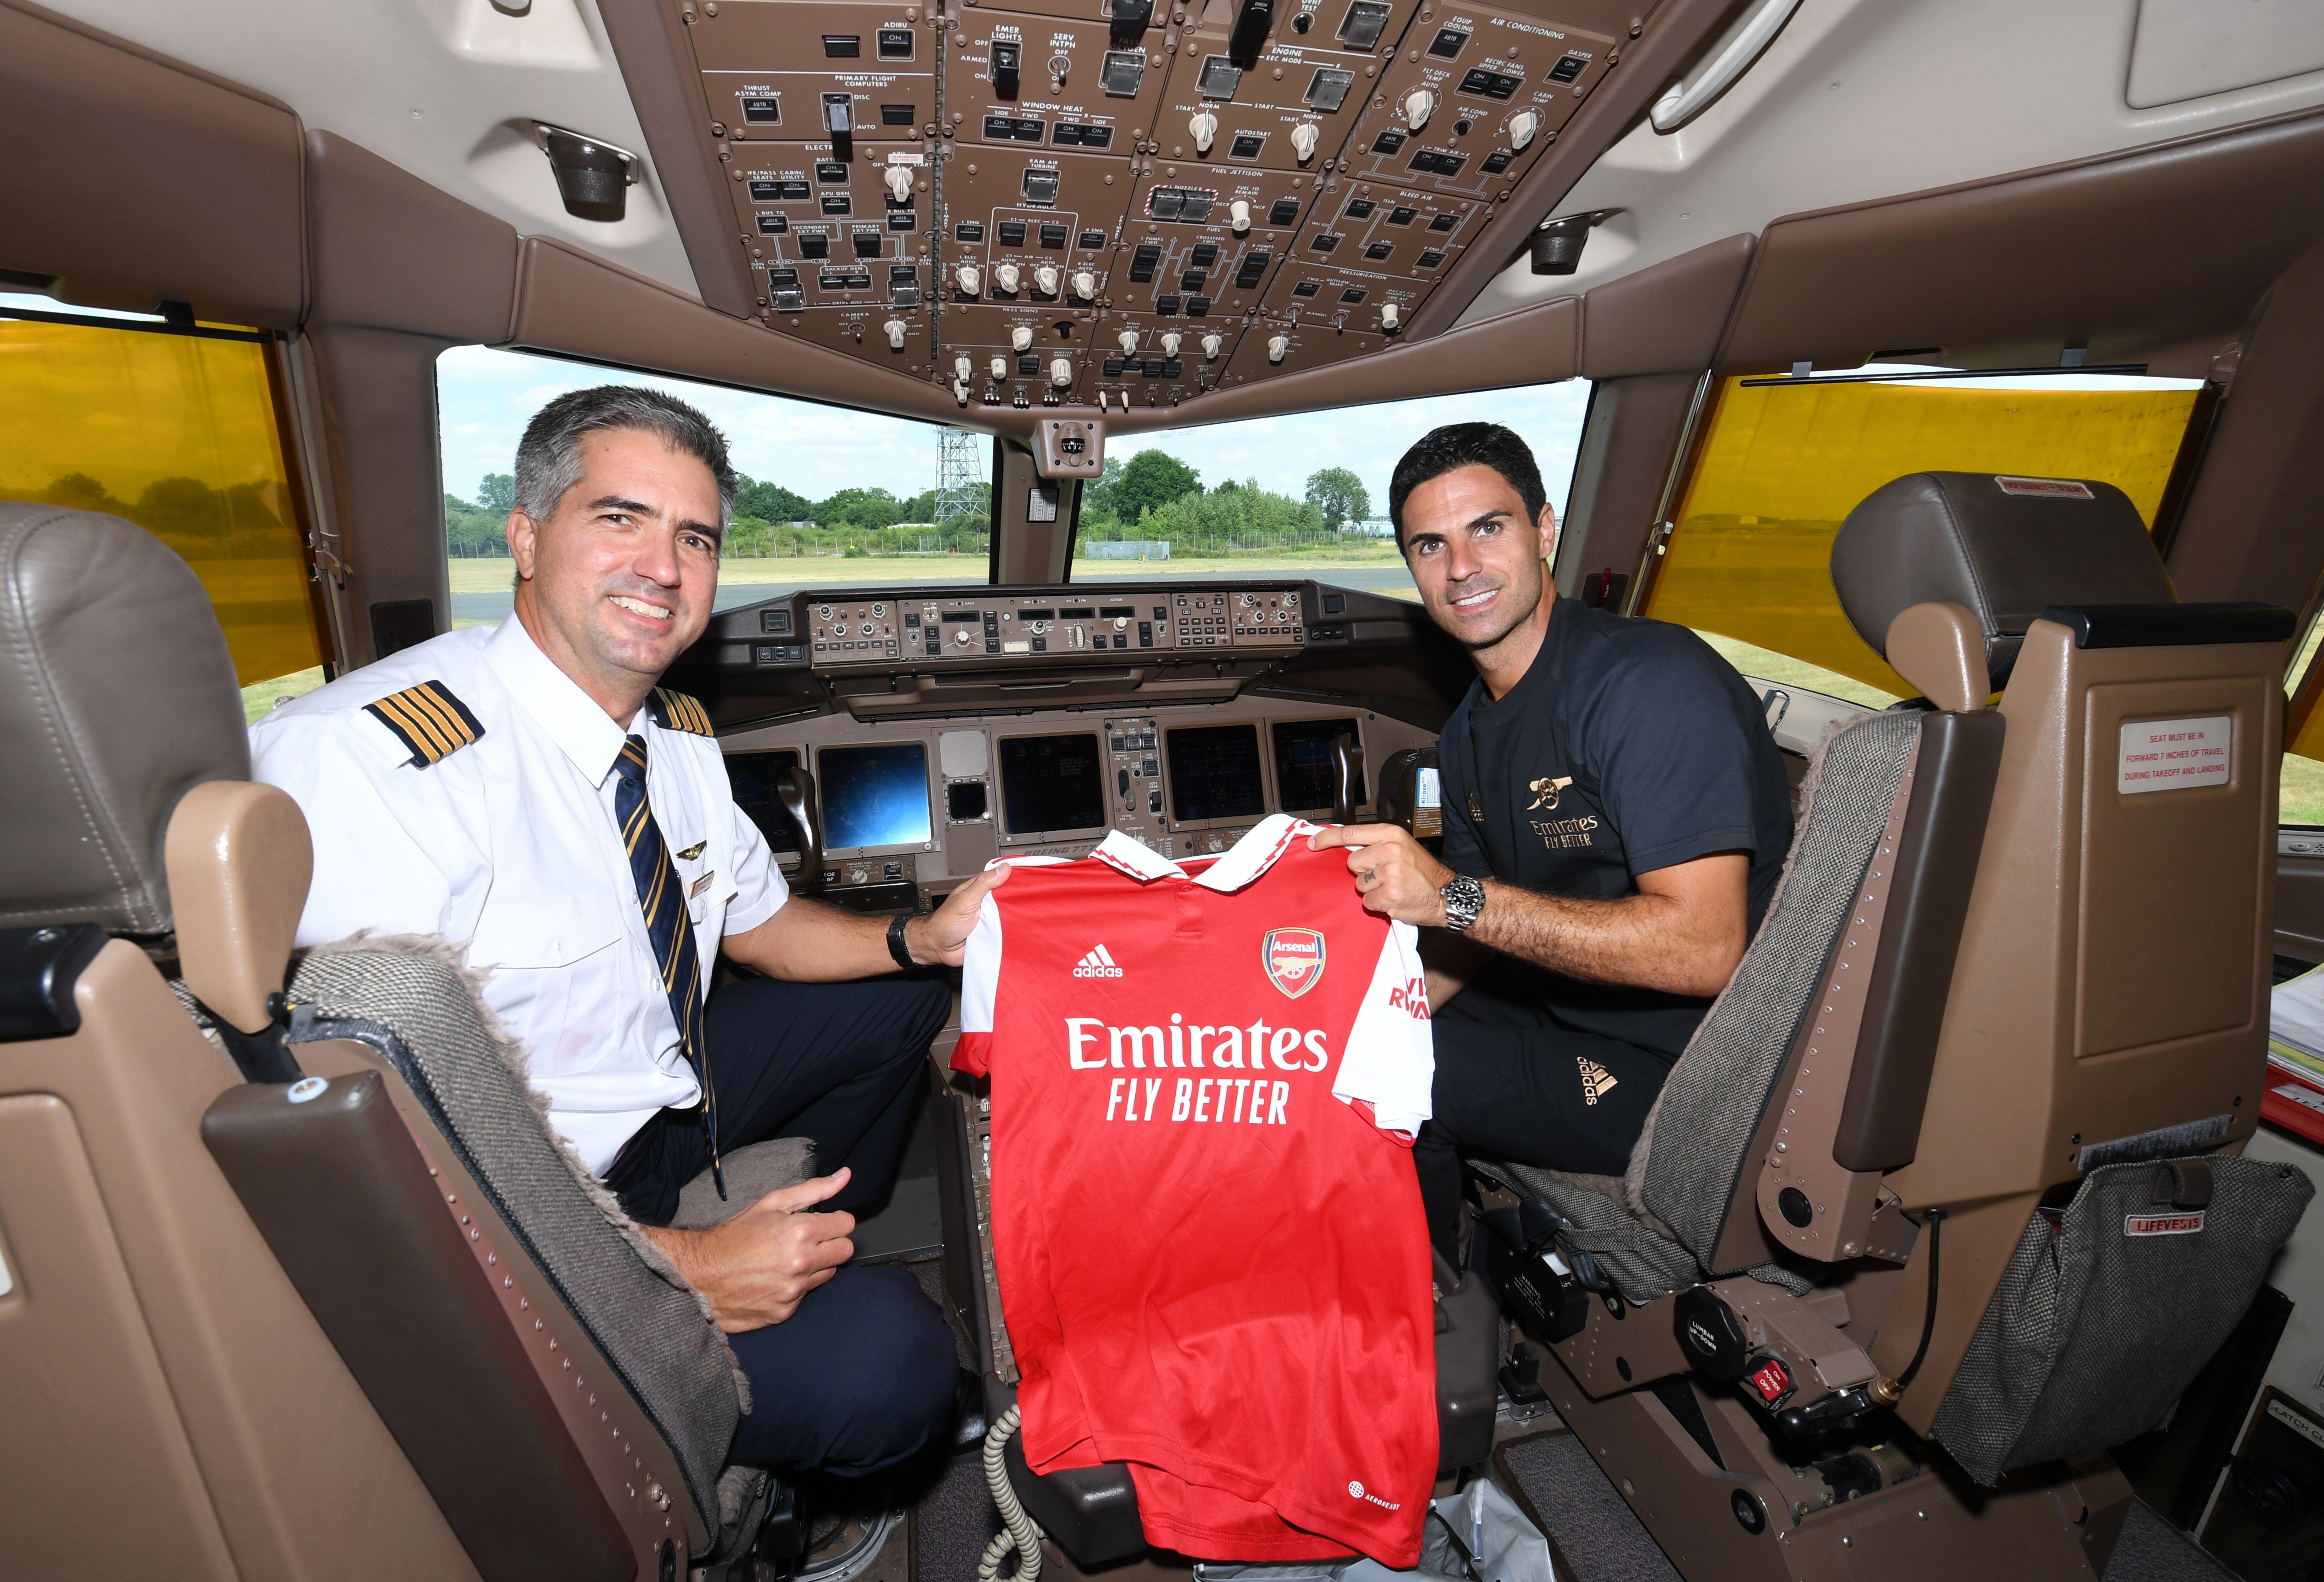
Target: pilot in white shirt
[(528, 794)]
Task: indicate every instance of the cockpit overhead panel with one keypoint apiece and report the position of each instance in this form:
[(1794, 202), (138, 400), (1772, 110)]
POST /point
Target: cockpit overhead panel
[(993, 198)]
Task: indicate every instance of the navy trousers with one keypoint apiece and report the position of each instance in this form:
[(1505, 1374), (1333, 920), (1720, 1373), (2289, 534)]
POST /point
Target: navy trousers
[(1514, 1083), (861, 1377)]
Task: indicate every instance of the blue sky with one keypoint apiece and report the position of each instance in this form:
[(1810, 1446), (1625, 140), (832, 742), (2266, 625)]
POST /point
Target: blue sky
[(484, 397)]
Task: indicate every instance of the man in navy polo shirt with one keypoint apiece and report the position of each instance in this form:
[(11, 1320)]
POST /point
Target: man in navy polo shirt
[(1616, 818)]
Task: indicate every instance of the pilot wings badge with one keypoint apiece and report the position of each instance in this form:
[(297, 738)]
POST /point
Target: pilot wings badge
[(1545, 793), (1294, 959)]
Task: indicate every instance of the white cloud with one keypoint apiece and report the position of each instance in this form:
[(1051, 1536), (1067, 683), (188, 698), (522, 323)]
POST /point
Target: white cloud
[(486, 398)]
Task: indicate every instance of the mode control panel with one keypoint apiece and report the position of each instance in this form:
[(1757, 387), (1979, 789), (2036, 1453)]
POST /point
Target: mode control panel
[(913, 630)]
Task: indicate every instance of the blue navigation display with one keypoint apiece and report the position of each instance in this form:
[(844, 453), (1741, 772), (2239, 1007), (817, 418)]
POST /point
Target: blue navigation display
[(874, 796)]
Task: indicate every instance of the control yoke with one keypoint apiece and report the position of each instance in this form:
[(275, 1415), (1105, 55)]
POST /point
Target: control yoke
[(795, 788)]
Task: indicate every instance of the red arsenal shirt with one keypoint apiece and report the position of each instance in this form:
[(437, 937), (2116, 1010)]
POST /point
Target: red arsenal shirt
[(1212, 1257)]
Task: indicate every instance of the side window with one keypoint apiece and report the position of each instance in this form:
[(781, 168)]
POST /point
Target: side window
[(828, 496), (1749, 563), (177, 432), (2302, 786), (1305, 493)]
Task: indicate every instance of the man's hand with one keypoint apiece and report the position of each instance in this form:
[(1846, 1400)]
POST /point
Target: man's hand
[(1395, 875), (756, 1268), (942, 935)]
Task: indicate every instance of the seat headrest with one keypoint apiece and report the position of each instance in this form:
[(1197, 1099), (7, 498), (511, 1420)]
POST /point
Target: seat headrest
[(2005, 547), (119, 697)]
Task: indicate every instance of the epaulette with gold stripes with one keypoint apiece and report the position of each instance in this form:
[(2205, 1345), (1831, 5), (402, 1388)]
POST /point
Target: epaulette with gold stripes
[(428, 720), (675, 711)]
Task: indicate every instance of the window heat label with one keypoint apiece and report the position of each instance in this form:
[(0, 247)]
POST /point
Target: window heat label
[(2173, 754)]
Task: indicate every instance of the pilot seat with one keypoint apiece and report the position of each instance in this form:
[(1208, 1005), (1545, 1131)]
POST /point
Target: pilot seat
[(1945, 1197)]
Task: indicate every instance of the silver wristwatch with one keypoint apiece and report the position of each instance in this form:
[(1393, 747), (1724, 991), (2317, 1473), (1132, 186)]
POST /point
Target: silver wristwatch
[(1463, 899)]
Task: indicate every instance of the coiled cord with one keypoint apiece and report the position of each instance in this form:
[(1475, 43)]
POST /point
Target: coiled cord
[(1017, 1529)]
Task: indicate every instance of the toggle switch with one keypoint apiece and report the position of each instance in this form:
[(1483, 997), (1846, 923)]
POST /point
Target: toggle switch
[(999, 366), (1046, 277), (1170, 344), (1005, 277), (899, 179), (1418, 106), (895, 328), (1128, 341), (1203, 127), (1061, 372), (1086, 285), (1239, 215), (1021, 338), (1276, 344), (1304, 139), (1522, 126), (970, 278), (1212, 343), (1005, 58)]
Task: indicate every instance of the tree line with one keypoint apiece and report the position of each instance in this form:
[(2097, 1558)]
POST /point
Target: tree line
[(767, 519), (1156, 496)]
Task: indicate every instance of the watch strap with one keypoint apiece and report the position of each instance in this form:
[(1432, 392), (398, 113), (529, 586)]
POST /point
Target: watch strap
[(896, 945)]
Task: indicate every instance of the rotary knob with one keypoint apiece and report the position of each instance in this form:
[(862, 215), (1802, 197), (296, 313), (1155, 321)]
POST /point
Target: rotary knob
[(1203, 127), (1046, 279), (970, 278), (1085, 284), (895, 328), (1239, 215), (999, 366), (1170, 343), (1212, 343), (1304, 139), (899, 179), (1005, 277), (1249, 601), (1418, 106), (1121, 623), (1522, 126), (823, 612), (1390, 316), (1128, 341), (1061, 372), (878, 612), (1276, 344), (961, 368), (961, 636), (1021, 338)]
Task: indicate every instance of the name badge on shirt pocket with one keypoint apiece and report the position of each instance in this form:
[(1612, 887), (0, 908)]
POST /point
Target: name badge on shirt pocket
[(701, 884)]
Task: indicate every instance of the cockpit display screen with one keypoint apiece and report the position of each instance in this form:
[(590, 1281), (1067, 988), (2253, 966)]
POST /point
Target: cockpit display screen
[(1052, 783), (1214, 773), (1303, 761), (755, 777), (875, 796)]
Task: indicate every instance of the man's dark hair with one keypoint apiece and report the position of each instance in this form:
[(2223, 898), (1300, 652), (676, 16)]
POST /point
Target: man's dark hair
[(1458, 445), (549, 457)]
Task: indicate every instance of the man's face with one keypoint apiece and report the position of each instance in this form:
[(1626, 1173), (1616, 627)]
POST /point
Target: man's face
[(620, 579), (1475, 555)]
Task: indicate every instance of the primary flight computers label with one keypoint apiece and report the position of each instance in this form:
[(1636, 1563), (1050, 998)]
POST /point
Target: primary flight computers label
[(2173, 754)]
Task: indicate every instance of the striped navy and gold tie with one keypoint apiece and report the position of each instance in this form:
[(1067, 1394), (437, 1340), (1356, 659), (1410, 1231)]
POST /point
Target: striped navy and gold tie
[(667, 926)]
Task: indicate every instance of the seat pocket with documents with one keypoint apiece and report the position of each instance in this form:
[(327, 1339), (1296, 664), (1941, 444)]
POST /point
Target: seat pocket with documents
[(2110, 1305)]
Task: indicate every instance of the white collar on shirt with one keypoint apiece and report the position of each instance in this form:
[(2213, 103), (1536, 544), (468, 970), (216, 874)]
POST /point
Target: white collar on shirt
[(1249, 858), (572, 719)]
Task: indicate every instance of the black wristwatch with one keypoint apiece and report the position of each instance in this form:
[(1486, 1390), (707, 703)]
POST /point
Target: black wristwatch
[(896, 945), (1463, 899)]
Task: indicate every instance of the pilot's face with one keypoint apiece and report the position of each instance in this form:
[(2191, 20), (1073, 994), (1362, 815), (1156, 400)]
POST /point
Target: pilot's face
[(1475, 555), (620, 579)]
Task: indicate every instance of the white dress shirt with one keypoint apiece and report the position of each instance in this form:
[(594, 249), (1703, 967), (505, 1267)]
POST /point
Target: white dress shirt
[(510, 847)]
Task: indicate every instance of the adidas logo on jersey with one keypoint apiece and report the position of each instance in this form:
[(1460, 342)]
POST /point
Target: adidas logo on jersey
[(1596, 1080), (1096, 964)]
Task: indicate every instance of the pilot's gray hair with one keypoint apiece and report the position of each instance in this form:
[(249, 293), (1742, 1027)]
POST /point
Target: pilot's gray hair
[(549, 457)]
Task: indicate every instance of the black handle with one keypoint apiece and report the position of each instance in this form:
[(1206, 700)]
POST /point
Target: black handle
[(796, 787), (1249, 35)]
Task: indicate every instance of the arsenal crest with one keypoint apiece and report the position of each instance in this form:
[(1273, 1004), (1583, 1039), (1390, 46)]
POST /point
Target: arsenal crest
[(1294, 959)]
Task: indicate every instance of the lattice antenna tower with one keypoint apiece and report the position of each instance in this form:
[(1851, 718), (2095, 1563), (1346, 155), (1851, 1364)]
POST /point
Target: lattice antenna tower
[(959, 470)]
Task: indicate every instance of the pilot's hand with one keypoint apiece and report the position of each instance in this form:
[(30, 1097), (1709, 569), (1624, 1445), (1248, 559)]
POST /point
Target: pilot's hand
[(942, 935), (1395, 875), (759, 1265)]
